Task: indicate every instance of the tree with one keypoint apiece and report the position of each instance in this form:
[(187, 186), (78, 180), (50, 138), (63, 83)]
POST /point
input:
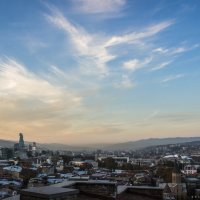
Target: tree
[(26, 175), (67, 159), (108, 163), (86, 166), (127, 166), (165, 173)]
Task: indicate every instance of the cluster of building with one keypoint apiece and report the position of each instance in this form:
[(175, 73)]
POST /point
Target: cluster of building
[(30, 173), (19, 150)]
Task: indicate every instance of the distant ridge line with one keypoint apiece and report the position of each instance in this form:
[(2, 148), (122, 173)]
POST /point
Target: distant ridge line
[(131, 145)]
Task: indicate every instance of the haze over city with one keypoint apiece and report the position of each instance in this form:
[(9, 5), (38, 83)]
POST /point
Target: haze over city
[(73, 72)]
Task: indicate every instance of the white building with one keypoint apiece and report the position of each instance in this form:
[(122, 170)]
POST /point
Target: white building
[(190, 169)]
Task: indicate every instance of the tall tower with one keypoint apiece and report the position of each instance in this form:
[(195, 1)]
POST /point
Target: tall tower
[(176, 173), (34, 149), (21, 141)]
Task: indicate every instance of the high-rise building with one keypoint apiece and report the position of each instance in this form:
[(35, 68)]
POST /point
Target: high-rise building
[(20, 149), (21, 141)]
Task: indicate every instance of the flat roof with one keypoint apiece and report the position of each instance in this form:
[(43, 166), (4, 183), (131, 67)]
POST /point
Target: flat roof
[(70, 183), (48, 192)]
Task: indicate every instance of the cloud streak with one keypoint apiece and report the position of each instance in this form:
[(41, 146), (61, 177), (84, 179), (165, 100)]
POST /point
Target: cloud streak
[(135, 37), (17, 81), (30, 102), (87, 46), (136, 64), (178, 116), (126, 83), (161, 66), (93, 51), (172, 78), (175, 50), (99, 7)]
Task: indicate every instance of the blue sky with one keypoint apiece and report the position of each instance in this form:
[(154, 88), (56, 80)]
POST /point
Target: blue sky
[(90, 71)]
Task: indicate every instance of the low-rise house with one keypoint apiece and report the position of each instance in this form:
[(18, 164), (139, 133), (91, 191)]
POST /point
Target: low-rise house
[(190, 169), (47, 168), (13, 170), (98, 176), (11, 184), (54, 180), (60, 165), (142, 179), (121, 160), (66, 176), (143, 162)]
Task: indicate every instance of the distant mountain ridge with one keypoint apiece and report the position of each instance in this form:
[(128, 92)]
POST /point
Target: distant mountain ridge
[(7, 143), (134, 145), (50, 146), (139, 144)]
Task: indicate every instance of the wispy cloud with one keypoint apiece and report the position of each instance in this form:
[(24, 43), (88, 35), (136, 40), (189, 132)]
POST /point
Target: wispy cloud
[(126, 83), (17, 81), (42, 104), (89, 47), (175, 50), (33, 44), (98, 7), (136, 64), (31, 102), (83, 75), (135, 37), (178, 116), (21, 86), (161, 50), (93, 50), (172, 77), (153, 114), (161, 66)]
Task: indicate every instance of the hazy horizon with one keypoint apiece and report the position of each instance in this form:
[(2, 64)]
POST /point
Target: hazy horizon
[(90, 72), (98, 145)]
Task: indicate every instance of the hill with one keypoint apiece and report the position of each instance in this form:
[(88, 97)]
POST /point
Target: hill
[(7, 143), (132, 145), (151, 142)]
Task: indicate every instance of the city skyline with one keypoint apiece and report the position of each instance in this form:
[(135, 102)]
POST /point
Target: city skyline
[(84, 71)]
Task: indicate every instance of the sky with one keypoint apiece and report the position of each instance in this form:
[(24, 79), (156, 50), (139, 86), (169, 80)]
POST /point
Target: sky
[(99, 71)]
